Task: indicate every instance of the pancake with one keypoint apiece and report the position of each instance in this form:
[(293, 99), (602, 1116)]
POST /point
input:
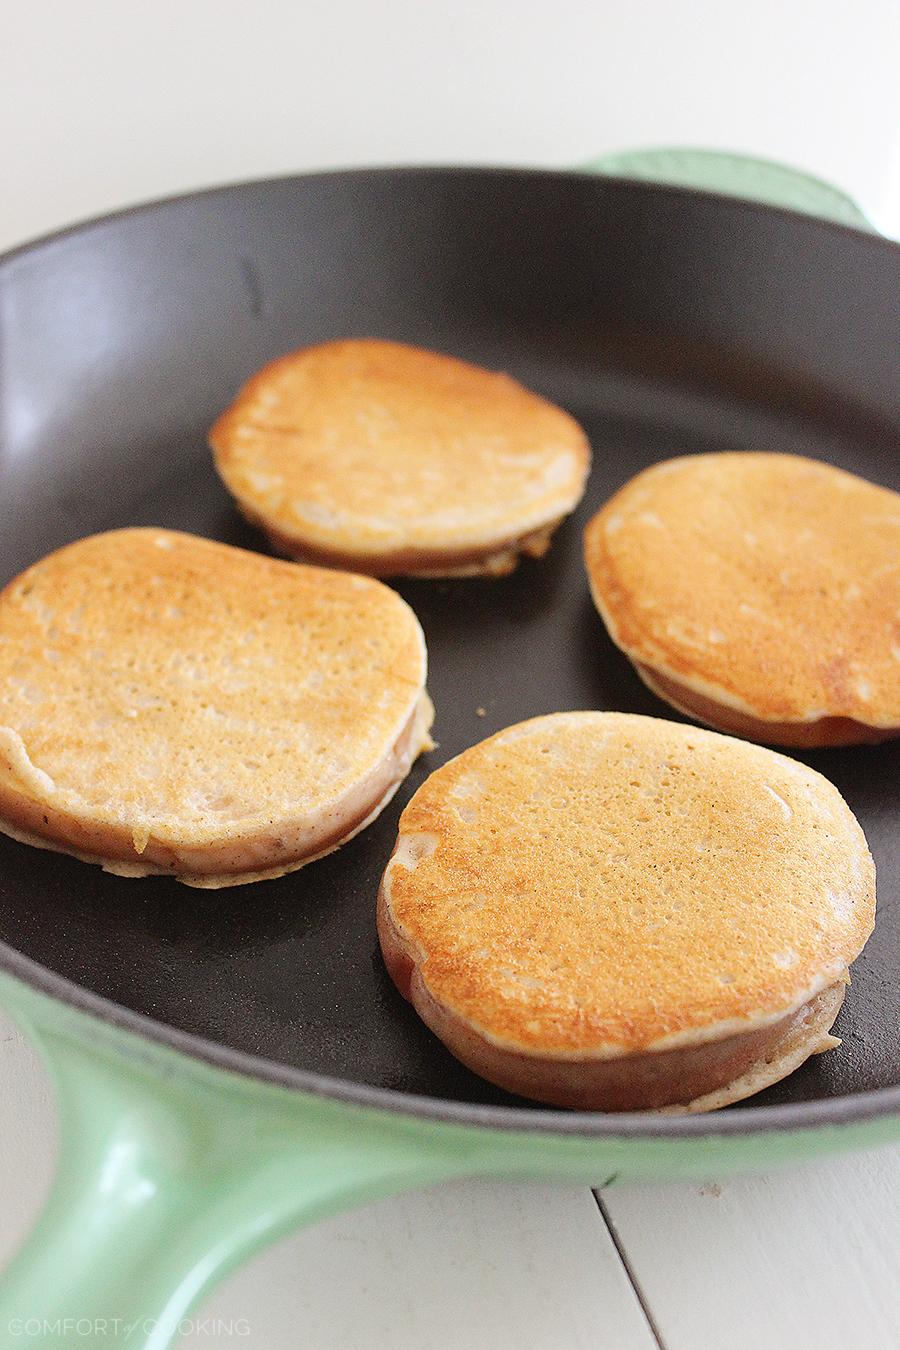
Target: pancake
[(758, 593), (391, 460), (172, 705), (612, 912)]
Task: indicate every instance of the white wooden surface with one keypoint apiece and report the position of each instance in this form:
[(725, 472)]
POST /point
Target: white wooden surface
[(103, 104), (808, 1259), (466, 1266)]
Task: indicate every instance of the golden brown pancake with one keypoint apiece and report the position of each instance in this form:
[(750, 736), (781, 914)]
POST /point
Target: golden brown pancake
[(392, 460), (173, 705), (614, 912), (759, 593)]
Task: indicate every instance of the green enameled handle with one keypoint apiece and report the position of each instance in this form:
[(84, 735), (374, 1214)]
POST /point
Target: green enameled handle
[(745, 176), (172, 1171)]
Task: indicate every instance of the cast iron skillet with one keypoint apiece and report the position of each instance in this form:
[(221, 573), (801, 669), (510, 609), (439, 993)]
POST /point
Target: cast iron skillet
[(666, 321)]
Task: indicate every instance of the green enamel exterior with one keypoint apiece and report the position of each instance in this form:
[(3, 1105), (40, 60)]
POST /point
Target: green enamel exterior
[(172, 1171), (757, 180)]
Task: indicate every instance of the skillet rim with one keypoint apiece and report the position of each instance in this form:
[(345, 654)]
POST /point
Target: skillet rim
[(739, 1120), (640, 187), (853, 1108)]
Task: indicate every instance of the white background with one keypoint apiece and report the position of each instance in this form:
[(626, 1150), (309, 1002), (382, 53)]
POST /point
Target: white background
[(107, 102)]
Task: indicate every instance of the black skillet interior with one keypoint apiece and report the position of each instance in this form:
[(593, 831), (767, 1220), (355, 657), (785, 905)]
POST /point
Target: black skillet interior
[(665, 321)]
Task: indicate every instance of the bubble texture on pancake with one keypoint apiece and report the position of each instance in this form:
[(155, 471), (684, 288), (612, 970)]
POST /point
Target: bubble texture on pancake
[(395, 459), (595, 884), (768, 583), (189, 693)]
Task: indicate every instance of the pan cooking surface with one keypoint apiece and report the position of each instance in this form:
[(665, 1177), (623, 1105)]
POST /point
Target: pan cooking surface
[(665, 322)]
